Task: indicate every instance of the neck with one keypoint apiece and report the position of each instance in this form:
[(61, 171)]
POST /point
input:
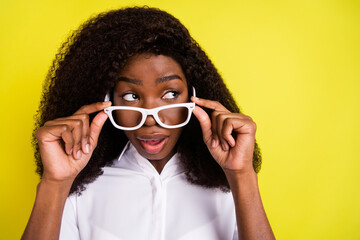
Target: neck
[(160, 164)]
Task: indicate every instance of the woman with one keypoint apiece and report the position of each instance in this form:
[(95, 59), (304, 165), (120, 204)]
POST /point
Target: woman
[(154, 178)]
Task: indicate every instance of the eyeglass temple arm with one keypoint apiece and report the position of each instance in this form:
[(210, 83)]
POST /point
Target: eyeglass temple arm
[(194, 92), (107, 97)]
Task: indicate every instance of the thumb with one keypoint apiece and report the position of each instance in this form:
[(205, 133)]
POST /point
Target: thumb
[(96, 126), (205, 124)]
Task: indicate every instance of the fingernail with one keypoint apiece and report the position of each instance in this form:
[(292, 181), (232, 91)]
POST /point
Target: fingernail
[(87, 148), (213, 143), (78, 154), (223, 147), (71, 150), (106, 103), (195, 98)]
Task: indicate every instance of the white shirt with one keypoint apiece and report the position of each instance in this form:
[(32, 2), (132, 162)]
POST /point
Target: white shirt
[(132, 201)]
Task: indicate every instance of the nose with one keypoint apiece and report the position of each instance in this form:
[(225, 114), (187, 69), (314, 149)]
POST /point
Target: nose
[(150, 120)]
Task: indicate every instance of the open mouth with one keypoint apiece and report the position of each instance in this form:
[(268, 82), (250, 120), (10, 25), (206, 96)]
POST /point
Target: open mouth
[(153, 145)]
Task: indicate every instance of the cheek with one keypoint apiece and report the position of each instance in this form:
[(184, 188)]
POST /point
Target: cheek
[(127, 118), (175, 135), (174, 116), (129, 134)]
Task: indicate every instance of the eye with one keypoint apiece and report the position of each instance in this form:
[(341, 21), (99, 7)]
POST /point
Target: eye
[(170, 95), (130, 97)]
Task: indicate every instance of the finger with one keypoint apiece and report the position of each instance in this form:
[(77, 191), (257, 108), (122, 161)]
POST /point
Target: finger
[(215, 134), (95, 128), (225, 120), (209, 104), (85, 131), (91, 108), (77, 135), (68, 140), (227, 131), (205, 124), (220, 118), (243, 128), (76, 127), (85, 111), (49, 134), (85, 127)]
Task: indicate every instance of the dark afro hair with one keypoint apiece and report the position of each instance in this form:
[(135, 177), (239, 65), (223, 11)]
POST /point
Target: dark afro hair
[(87, 67)]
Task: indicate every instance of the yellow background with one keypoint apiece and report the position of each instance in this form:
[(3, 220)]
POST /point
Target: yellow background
[(294, 66)]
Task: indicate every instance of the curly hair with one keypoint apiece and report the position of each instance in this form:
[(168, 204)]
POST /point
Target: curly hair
[(88, 65)]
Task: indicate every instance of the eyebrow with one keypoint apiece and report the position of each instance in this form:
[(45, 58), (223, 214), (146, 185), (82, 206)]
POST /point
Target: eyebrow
[(158, 80), (130, 80), (167, 78)]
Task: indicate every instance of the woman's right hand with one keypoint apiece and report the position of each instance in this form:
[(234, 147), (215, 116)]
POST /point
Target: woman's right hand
[(66, 144)]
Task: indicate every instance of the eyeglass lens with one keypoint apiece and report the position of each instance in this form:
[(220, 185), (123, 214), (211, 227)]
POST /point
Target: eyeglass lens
[(169, 116)]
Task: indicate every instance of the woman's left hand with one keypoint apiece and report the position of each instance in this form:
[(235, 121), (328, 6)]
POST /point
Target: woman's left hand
[(230, 137)]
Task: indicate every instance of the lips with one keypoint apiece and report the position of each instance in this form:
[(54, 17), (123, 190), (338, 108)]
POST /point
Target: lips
[(153, 144)]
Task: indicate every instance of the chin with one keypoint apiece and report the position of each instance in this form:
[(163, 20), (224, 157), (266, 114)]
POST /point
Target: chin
[(157, 156), (164, 153)]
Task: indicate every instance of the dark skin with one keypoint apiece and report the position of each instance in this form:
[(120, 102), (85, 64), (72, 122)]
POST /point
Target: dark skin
[(148, 82), (66, 145)]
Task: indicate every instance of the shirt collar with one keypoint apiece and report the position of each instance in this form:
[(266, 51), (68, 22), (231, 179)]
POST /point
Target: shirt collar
[(130, 159), (124, 150)]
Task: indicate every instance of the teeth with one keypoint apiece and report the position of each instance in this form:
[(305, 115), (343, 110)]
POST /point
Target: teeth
[(150, 140), (153, 141)]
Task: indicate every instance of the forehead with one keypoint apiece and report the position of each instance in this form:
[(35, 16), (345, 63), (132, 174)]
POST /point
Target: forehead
[(148, 68)]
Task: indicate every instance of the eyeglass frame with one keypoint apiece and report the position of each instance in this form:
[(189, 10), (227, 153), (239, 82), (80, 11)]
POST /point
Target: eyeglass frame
[(152, 112)]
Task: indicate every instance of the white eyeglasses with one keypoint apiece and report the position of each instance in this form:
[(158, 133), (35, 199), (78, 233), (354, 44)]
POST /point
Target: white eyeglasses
[(168, 116)]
